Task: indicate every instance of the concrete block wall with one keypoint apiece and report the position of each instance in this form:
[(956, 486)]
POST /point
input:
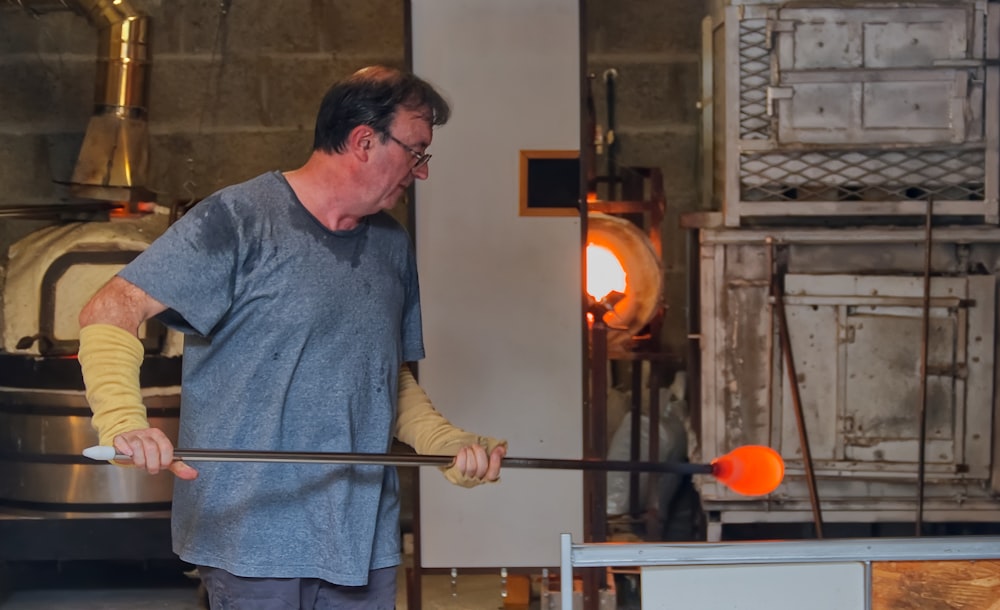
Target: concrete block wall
[(233, 89), (235, 84)]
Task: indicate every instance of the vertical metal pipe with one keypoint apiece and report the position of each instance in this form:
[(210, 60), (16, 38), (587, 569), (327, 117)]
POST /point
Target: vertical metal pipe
[(610, 76), (114, 158), (596, 483), (595, 424), (693, 314), (654, 521), (769, 349), (590, 141), (924, 340), (589, 358), (566, 571), (415, 580), (778, 297), (635, 437)]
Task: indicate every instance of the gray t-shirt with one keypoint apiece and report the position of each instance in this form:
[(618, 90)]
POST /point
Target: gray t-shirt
[(295, 335)]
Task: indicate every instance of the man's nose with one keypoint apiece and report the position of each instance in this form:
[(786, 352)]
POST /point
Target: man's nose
[(422, 172)]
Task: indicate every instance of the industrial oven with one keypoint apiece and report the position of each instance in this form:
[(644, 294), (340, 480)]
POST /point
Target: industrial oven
[(846, 303), (56, 504)]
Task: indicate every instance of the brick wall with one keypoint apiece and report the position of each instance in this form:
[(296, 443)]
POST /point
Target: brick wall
[(235, 84)]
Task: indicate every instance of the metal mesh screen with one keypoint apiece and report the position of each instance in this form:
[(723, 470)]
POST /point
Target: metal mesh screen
[(823, 175), (864, 175), (755, 76)]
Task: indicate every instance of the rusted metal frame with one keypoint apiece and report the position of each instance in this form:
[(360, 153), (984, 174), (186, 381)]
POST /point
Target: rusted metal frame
[(821, 209), (653, 354), (656, 359), (653, 520), (924, 340), (619, 206), (694, 335), (862, 235), (774, 419), (611, 149), (657, 209), (633, 186), (732, 197), (991, 115), (60, 211), (777, 297), (595, 484), (633, 192), (635, 437), (653, 457), (595, 443)]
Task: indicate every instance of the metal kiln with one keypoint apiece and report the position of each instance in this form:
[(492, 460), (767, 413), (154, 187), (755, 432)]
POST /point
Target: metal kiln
[(642, 296), (53, 503), (830, 325), (46, 488), (624, 328)]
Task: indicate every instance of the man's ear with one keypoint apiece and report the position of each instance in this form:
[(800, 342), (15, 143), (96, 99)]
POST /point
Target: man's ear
[(359, 141)]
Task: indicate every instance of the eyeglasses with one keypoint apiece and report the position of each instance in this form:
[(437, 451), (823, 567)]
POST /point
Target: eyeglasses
[(420, 159)]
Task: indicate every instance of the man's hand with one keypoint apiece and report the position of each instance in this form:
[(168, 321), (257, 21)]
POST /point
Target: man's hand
[(421, 426), (151, 450), (472, 462)]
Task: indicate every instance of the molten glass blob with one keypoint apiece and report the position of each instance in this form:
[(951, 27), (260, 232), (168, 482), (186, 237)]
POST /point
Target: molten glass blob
[(750, 470)]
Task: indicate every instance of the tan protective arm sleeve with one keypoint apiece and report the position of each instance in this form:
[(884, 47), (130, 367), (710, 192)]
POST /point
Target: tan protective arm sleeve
[(110, 358), (421, 426)]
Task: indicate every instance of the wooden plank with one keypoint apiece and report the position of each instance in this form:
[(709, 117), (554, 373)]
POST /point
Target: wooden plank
[(936, 585)]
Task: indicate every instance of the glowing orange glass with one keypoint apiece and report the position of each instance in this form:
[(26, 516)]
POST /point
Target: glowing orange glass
[(750, 470)]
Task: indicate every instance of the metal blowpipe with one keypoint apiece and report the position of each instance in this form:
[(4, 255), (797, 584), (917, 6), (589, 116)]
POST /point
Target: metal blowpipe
[(750, 470), (105, 453)]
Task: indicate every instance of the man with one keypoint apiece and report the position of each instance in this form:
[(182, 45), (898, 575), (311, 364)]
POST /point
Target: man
[(299, 298)]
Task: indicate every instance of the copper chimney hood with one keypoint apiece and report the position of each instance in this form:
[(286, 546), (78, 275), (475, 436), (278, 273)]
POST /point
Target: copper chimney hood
[(114, 157)]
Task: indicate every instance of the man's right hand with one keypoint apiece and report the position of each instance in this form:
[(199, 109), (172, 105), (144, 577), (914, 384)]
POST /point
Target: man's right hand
[(151, 450)]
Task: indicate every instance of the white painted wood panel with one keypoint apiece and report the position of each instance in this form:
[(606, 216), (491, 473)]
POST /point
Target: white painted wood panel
[(501, 292), (827, 586)]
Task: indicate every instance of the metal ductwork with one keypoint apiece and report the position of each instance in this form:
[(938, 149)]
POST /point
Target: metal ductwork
[(114, 158)]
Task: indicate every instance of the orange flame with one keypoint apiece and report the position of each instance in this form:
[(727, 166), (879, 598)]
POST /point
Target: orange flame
[(605, 273)]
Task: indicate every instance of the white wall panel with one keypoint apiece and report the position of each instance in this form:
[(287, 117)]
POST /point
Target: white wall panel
[(501, 292), (827, 586)]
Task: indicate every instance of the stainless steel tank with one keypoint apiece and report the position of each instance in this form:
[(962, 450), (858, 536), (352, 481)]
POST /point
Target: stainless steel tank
[(42, 436)]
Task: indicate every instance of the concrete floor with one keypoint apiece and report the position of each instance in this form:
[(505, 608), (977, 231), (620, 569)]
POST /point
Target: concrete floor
[(129, 586)]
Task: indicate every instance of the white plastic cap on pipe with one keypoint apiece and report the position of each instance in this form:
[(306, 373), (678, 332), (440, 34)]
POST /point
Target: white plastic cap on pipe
[(100, 452)]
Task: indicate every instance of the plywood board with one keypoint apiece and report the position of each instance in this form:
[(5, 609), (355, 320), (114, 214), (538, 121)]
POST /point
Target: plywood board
[(936, 585)]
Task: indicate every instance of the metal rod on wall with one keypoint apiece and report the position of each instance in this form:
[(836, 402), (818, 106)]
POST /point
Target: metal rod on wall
[(777, 296), (924, 341)]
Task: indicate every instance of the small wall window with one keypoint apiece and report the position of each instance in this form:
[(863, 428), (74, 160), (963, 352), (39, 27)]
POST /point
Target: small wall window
[(550, 183)]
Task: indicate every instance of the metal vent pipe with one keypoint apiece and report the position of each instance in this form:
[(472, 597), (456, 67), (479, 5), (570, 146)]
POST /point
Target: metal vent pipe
[(114, 158)]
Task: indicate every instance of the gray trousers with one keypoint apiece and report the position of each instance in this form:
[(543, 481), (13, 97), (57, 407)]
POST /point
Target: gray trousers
[(229, 592)]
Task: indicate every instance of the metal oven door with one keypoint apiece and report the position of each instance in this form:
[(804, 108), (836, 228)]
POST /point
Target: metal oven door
[(896, 75), (857, 343)]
